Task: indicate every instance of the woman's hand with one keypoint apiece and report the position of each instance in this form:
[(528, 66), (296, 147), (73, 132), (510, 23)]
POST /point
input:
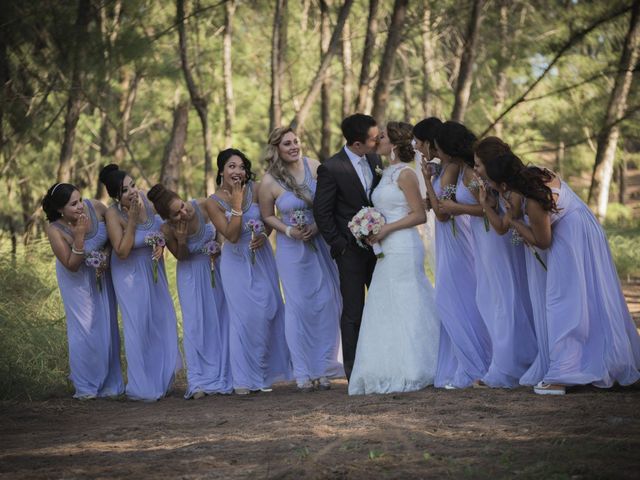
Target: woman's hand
[(482, 190), (508, 210), (237, 195), (258, 241), (158, 251), (447, 206), (381, 235), (180, 231), (309, 231), (133, 211), (81, 227)]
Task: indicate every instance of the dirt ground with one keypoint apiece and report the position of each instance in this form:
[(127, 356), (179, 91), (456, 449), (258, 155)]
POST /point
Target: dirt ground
[(589, 433)]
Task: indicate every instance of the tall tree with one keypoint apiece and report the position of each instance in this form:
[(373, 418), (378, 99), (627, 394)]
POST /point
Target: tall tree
[(227, 75), (314, 89), (347, 73), (428, 69), (381, 94), (610, 131), (278, 54), (367, 56), (174, 149), (198, 100), (325, 91), (465, 72), (75, 99)]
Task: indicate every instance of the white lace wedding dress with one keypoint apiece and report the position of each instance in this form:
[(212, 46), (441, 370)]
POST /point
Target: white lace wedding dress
[(397, 346)]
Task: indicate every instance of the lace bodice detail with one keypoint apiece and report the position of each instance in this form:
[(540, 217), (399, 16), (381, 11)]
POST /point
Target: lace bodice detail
[(387, 198)]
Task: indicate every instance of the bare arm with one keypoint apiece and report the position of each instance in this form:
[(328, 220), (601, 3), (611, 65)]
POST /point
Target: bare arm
[(231, 229), (449, 177), (538, 233), (62, 250), (269, 191), (122, 239)]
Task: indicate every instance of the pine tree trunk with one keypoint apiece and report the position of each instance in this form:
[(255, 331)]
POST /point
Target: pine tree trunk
[(610, 131), (465, 71), (501, 85), (428, 70), (347, 73), (367, 56), (229, 108), (325, 92), (75, 100), (278, 51), (174, 150), (622, 181), (381, 94)]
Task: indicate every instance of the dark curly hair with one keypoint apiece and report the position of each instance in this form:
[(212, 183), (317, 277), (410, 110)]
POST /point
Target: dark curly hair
[(457, 141), (427, 130), (401, 134), (530, 181), (56, 198), (223, 158)]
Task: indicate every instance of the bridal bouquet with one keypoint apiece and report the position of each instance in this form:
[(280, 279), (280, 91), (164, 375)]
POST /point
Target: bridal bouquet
[(256, 227), (211, 248), (449, 193), (299, 219), (155, 239), (99, 260), (368, 221)]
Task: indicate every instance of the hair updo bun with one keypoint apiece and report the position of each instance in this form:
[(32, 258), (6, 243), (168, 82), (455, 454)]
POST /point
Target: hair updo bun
[(161, 198), (112, 177), (457, 141), (56, 198), (401, 135)]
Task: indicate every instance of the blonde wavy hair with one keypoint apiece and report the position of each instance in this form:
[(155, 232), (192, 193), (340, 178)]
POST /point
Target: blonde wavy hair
[(278, 170)]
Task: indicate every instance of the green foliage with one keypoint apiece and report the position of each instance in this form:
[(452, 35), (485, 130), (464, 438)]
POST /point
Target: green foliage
[(625, 249)]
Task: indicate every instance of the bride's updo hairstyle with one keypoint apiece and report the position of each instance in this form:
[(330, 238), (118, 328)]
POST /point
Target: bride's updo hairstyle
[(277, 169), (457, 141), (400, 135), (161, 198), (56, 198), (112, 177), (530, 181)]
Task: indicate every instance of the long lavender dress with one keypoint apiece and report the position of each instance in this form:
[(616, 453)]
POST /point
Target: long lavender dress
[(592, 338), (537, 282), (148, 317), (503, 301), (205, 317), (312, 295), (257, 345), (465, 349), (92, 320)]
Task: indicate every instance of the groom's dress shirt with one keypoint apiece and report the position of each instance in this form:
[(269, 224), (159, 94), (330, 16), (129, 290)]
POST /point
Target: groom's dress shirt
[(356, 161)]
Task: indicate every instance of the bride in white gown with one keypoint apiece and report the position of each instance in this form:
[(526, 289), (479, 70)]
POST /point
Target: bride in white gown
[(397, 346)]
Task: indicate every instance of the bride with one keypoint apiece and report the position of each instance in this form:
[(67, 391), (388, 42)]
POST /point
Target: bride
[(397, 347)]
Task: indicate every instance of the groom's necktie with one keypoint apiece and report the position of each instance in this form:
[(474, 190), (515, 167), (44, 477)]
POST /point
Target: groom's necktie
[(366, 174)]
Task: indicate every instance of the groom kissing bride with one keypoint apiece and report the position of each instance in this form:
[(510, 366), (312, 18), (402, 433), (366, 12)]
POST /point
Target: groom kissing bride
[(398, 343)]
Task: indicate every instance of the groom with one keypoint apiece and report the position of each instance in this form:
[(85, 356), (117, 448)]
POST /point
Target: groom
[(345, 183)]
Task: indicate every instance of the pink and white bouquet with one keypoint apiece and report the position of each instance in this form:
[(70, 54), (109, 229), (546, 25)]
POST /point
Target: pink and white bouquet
[(256, 227), (368, 221), (300, 219), (449, 193), (155, 239), (99, 260), (211, 248)]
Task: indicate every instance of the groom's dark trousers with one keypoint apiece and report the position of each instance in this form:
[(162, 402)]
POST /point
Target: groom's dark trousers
[(339, 196)]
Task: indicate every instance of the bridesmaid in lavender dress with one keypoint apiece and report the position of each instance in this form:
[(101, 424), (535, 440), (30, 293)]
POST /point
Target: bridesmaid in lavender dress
[(465, 349), (257, 345), (591, 336), (148, 316), (308, 273), (205, 318), (76, 230), (502, 297)]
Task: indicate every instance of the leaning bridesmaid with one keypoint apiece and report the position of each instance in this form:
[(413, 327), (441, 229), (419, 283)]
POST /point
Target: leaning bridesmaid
[(191, 238), (257, 345), (78, 238), (140, 283), (592, 338), (465, 348), (308, 274)]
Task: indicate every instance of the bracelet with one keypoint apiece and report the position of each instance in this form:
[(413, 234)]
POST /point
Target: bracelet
[(287, 232), (77, 252), (265, 235), (236, 213)]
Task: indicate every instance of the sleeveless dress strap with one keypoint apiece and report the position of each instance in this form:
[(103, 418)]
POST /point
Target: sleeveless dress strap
[(62, 228), (396, 173), (94, 219), (308, 176)]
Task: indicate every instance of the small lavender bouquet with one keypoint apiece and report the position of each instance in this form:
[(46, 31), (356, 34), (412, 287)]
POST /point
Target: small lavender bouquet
[(299, 219), (155, 239), (256, 227), (98, 260), (516, 239), (449, 193), (211, 248)]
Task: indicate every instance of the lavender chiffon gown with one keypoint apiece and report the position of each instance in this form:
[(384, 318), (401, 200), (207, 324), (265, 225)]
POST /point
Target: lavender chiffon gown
[(503, 301), (311, 286), (592, 337), (148, 317), (465, 349), (257, 345), (205, 316), (92, 320)]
